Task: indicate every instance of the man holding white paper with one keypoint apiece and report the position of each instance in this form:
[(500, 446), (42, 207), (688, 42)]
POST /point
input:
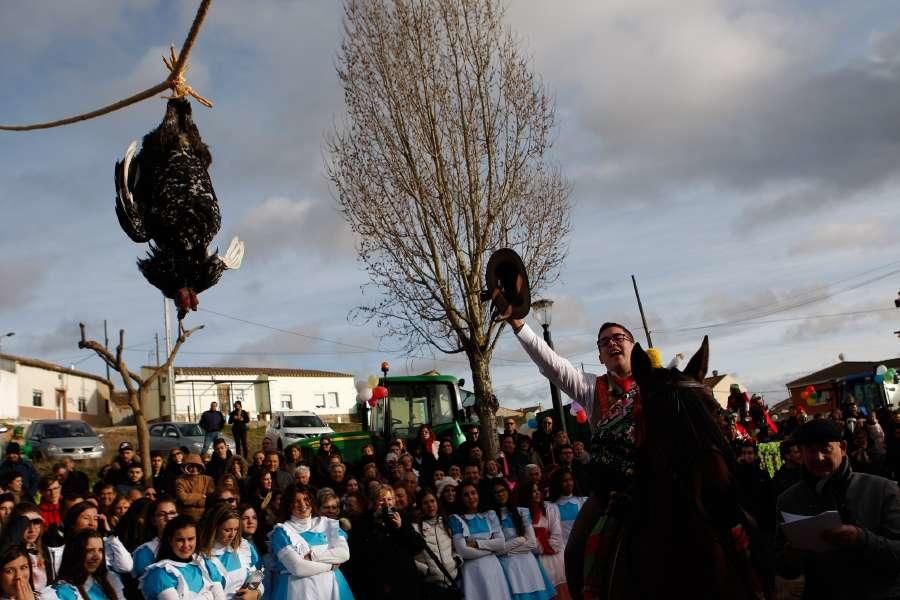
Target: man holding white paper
[(859, 556)]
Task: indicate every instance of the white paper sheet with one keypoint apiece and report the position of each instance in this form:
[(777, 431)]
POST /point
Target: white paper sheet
[(804, 532)]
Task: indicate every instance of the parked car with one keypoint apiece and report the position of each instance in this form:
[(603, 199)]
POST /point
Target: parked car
[(54, 439), (171, 434), (287, 428)]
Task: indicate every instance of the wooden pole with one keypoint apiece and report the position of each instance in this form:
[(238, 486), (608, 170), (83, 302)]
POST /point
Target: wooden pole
[(641, 309)]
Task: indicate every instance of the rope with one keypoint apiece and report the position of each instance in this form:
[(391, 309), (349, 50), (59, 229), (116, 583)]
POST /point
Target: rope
[(175, 82)]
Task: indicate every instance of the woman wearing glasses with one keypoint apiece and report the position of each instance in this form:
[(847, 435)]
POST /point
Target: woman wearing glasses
[(162, 512), (220, 542)]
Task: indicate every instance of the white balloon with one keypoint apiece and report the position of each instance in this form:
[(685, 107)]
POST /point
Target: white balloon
[(364, 395), (880, 370), (360, 385)]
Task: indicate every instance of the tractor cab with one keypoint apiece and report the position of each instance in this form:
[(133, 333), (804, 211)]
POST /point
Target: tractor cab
[(416, 400)]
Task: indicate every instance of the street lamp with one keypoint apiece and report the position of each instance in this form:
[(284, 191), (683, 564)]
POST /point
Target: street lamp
[(543, 311), (5, 335)]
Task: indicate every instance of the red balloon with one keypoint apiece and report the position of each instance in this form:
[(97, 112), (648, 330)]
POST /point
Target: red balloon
[(373, 402), (810, 389), (804, 394), (379, 392), (581, 417)]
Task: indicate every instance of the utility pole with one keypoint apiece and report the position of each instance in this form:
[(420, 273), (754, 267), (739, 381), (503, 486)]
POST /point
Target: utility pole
[(158, 387), (170, 373), (641, 309)]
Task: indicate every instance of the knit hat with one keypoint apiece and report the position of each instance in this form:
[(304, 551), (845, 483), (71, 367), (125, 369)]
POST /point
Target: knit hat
[(13, 448), (819, 431), (443, 483), (125, 446)]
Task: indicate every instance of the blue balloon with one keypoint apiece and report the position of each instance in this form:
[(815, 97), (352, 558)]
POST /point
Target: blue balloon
[(879, 378), (532, 423)]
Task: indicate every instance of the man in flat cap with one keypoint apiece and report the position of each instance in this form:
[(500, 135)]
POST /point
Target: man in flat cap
[(863, 559)]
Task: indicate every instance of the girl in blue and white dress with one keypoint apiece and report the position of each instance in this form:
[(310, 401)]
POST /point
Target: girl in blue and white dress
[(479, 540), (220, 542), (307, 551), (527, 579), (82, 573), (179, 573), (145, 555), (561, 493)]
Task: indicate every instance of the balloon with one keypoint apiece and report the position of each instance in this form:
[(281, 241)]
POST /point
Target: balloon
[(890, 376), (372, 381), (880, 370), (581, 417), (379, 392), (532, 423), (364, 395), (879, 378), (810, 401), (805, 394), (575, 408), (373, 402), (814, 396), (810, 389)]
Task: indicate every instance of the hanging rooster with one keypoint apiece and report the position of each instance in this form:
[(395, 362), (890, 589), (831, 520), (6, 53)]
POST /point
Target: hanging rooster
[(165, 197)]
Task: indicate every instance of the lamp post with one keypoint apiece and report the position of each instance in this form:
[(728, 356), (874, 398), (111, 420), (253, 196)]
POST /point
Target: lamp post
[(543, 310), (5, 335)]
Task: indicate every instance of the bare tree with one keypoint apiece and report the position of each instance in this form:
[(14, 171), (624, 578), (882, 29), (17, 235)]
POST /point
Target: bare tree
[(135, 385), (441, 160)]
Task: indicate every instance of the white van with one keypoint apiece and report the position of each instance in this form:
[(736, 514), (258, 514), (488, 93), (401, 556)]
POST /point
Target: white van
[(288, 427)]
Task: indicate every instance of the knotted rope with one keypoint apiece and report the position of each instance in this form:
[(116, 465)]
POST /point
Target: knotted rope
[(176, 82)]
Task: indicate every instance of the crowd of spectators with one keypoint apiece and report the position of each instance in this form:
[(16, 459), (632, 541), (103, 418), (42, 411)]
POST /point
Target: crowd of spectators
[(421, 517)]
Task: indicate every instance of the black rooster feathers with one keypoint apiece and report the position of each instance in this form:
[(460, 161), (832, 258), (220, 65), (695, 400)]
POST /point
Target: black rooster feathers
[(165, 197)]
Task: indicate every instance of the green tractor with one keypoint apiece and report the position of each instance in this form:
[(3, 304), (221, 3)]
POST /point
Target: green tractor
[(412, 400)]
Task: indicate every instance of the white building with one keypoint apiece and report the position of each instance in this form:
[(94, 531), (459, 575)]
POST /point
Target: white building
[(261, 391), (35, 389), (720, 384)]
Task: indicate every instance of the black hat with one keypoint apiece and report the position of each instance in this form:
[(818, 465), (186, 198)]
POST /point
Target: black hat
[(13, 448), (506, 273), (819, 431)]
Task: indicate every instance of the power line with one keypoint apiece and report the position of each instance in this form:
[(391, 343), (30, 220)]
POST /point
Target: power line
[(747, 322)]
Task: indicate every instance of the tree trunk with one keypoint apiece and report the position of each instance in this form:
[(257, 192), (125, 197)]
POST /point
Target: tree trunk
[(143, 434), (485, 403)]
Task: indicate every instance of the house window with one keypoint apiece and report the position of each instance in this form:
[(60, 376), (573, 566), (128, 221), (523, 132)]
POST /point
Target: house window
[(287, 402), (332, 400), (320, 400), (37, 398), (82, 404)]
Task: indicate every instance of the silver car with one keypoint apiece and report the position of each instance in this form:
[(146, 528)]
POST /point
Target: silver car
[(56, 439), (171, 434)]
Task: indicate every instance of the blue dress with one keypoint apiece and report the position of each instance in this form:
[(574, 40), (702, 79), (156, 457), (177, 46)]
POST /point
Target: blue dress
[(236, 565), (170, 579), (527, 579), (144, 556), (481, 570), (569, 507), (62, 590), (317, 578)]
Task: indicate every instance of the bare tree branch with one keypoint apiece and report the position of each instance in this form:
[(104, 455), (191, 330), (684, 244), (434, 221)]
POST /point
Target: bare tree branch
[(443, 159)]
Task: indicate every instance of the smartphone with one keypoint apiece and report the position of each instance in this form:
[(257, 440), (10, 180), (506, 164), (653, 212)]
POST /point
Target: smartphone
[(254, 579)]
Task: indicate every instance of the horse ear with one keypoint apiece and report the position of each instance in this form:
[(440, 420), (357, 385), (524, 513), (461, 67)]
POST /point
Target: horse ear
[(641, 366), (699, 363)]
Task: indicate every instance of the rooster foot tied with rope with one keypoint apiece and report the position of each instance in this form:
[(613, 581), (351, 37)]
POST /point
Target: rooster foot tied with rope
[(165, 197)]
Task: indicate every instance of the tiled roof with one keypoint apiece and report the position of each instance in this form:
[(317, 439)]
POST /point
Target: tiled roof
[(207, 371), (48, 366), (843, 370)]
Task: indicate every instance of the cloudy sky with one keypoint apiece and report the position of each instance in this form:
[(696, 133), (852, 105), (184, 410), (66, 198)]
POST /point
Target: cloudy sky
[(740, 158)]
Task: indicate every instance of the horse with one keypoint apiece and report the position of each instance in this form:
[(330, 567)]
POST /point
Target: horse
[(678, 530)]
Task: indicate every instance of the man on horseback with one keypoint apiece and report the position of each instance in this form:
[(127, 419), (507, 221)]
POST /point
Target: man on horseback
[(609, 401)]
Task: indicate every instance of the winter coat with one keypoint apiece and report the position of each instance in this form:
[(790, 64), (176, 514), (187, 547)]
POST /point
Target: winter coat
[(437, 537), (383, 560), (869, 569), (191, 492), (212, 420)]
